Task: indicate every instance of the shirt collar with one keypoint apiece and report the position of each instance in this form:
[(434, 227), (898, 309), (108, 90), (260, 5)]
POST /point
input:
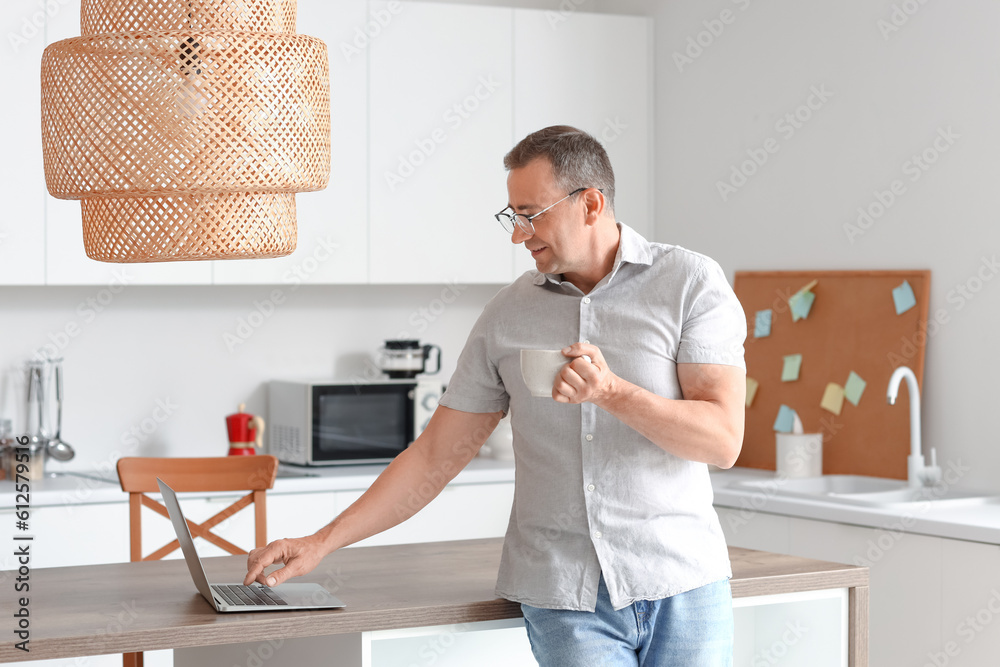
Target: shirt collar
[(632, 249)]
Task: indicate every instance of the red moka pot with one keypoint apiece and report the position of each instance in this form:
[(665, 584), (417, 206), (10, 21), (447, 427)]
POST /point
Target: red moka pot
[(246, 432)]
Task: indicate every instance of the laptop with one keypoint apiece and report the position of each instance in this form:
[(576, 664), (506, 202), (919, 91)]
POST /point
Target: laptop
[(237, 597)]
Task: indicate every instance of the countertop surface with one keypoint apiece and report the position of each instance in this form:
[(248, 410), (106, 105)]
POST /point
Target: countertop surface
[(86, 487), (401, 586), (976, 523)]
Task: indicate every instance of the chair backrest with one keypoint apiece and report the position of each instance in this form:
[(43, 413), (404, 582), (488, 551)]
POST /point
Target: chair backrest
[(255, 474)]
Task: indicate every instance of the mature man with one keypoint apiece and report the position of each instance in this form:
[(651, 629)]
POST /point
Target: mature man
[(613, 548)]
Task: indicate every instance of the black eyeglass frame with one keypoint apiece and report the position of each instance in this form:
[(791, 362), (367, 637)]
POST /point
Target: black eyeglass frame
[(509, 220)]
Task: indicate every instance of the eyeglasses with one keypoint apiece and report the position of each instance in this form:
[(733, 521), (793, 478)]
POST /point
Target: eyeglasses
[(523, 222)]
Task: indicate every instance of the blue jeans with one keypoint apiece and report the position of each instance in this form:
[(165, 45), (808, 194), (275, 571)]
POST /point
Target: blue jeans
[(692, 629)]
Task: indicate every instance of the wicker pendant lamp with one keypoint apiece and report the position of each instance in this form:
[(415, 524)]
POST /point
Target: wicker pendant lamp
[(185, 127)]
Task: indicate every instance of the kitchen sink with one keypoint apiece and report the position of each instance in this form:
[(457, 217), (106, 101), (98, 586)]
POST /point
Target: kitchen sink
[(939, 496), (864, 490), (826, 485)]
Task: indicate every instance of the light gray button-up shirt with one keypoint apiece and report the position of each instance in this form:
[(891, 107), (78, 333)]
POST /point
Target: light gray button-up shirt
[(591, 494)]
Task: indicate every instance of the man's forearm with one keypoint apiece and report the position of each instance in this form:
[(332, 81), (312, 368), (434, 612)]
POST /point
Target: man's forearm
[(697, 430), (414, 478), (390, 500)]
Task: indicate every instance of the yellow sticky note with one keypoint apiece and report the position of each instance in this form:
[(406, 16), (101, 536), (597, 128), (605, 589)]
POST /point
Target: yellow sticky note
[(833, 398), (752, 386)]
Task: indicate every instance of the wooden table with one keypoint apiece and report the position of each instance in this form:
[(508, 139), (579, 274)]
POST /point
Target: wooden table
[(117, 608)]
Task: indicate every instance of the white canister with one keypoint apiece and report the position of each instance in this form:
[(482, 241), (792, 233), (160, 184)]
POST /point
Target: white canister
[(799, 454), (500, 444)]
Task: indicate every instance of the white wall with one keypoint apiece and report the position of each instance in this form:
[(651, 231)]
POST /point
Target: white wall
[(892, 92), (158, 368)]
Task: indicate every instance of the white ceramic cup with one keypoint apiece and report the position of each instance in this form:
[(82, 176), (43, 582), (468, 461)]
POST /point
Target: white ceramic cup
[(540, 368), (799, 454)]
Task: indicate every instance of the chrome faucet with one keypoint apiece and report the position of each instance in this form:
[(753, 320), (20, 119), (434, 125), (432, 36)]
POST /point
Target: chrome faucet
[(917, 473)]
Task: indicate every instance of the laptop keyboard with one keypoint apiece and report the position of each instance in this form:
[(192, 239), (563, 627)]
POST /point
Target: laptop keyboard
[(255, 596)]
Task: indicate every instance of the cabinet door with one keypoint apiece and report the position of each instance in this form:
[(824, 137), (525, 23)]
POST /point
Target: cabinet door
[(594, 72), (332, 223), (66, 262), (905, 576), (71, 534), (461, 512), (440, 86), (750, 529), (970, 633), (22, 182), (299, 514)]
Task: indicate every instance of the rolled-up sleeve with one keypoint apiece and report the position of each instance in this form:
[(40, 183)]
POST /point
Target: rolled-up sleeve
[(714, 327), (476, 385)]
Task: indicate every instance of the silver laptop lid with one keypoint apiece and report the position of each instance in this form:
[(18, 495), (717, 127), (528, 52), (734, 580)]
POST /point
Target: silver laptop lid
[(187, 542)]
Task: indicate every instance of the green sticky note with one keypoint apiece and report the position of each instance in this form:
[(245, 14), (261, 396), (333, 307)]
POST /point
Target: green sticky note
[(785, 421), (801, 303), (854, 388), (790, 371), (903, 298), (833, 398), (762, 324)]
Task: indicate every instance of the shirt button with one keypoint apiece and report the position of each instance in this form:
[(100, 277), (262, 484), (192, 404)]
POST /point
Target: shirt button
[(586, 299), (587, 342), (590, 437), (597, 534), (591, 487)]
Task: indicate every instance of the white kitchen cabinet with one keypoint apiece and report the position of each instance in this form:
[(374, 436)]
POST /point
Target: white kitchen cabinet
[(426, 99), (970, 605), (905, 573), (460, 512), (501, 643), (803, 628), (298, 514), (22, 185), (332, 223), (71, 534), (750, 529), (440, 123), (594, 72), (66, 262)]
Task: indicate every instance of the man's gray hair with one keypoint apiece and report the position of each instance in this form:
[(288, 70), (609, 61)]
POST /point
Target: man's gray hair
[(578, 160)]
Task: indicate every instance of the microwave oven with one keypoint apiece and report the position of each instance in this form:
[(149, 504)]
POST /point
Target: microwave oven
[(337, 423)]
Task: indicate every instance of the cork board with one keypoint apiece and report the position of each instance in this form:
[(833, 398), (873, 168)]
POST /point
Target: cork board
[(852, 325)]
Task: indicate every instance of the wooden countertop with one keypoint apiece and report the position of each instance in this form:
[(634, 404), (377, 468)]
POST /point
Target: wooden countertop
[(116, 608)]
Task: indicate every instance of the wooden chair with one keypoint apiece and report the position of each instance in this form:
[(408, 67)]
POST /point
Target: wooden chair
[(210, 474)]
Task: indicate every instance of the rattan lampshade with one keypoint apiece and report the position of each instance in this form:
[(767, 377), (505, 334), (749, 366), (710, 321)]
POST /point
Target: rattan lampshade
[(185, 127)]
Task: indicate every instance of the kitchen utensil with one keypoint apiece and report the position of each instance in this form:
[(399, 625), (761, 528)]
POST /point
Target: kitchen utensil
[(404, 359), (56, 448), (35, 413), (36, 430), (7, 444), (246, 432)]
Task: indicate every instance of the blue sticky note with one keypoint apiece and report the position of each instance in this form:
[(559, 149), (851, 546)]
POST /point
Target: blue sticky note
[(762, 324), (790, 369), (854, 387), (785, 421), (903, 297), (801, 303)]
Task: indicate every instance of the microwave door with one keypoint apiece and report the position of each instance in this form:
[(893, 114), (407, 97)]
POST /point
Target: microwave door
[(373, 424), (332, 443)]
